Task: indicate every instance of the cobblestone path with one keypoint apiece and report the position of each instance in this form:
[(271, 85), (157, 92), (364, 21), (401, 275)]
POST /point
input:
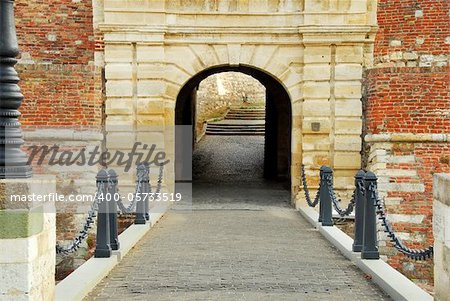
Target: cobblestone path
[(240, 242)]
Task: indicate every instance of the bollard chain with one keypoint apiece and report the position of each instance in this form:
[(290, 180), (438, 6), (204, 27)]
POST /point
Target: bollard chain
[(83, 234), (416, 254), (306, 190), (160, 178), (132, 206), (336, 202), (361, 188)]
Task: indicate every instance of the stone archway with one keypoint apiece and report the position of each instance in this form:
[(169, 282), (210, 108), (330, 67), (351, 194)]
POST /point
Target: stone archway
[(277, 162), (315, 49)]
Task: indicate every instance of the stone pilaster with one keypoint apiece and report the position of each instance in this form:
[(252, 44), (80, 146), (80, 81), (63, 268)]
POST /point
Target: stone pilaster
[(27, 239), (441, 230)]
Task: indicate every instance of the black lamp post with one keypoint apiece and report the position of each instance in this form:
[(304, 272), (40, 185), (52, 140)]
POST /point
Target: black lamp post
[(13, 161)]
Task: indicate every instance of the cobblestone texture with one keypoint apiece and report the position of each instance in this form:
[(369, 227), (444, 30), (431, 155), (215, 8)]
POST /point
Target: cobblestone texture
[(229, 159), (235, 255), (241, 242)]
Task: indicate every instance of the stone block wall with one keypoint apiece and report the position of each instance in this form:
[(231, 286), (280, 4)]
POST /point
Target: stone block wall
[(27, 239), (407, 119), (315, 49), (441, 229)]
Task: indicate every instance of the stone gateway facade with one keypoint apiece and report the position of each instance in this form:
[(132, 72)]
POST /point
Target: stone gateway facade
[(349, 83), (316, 50)]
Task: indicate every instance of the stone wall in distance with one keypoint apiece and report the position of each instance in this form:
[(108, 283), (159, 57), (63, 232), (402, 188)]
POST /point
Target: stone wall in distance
[(218, 92)]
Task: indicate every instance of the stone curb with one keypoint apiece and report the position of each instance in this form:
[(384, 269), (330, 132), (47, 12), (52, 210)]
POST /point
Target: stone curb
[(83, 280), (407, 137), (386, 277), (63, 134)]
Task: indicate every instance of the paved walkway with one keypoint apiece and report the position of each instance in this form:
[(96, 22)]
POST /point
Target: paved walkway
[(241, 242)]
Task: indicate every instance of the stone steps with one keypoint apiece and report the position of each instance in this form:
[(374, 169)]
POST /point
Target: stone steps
[(246, 113), (236, 125), (234, 117), (235, 133), (235, 130), (240, 122), (255, 111)]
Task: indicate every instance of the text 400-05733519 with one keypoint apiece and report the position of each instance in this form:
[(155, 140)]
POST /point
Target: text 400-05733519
[(143, 196)]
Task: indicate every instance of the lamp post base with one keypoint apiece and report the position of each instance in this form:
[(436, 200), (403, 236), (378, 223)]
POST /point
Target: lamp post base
[(16, 172)]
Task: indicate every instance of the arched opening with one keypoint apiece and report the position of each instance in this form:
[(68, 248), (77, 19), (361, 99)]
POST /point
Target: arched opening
[(278, 116)]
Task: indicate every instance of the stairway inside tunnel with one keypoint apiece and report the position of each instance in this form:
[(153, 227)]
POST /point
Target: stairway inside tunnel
[(240, 121), (228, 162), (245, 152)]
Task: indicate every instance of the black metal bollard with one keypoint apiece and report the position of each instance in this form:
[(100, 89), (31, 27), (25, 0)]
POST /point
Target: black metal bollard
[(140, 201), (147, 190), (320, 193), (370, 243), (325, 199), (112, 209), (359, 211), (103, 246)]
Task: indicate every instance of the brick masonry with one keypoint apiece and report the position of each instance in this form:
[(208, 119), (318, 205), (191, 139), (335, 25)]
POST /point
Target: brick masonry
[(413, 25), (62, 87), (406, 99), (60, 83)]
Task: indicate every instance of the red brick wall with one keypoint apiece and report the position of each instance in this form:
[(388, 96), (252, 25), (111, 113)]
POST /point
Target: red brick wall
[(408, 91), (59, 80), (397, 21), (61, 85), (408, 100), (430, 158)]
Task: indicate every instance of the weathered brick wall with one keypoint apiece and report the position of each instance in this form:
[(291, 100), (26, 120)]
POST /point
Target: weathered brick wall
[(413, 25), (60, 95), (62, 87), (407, 119), (408, 100), (405, 171), (59, 80)]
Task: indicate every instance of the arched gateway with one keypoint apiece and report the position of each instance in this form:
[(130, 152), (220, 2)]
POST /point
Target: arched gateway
[(309, 54), (278, 118)]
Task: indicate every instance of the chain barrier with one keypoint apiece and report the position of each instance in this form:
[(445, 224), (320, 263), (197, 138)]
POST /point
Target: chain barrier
[(416, 254), (306, 190), (132, 206), (160, 178), (75, 244), (336, 202), (361, 188), (83, 234)]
